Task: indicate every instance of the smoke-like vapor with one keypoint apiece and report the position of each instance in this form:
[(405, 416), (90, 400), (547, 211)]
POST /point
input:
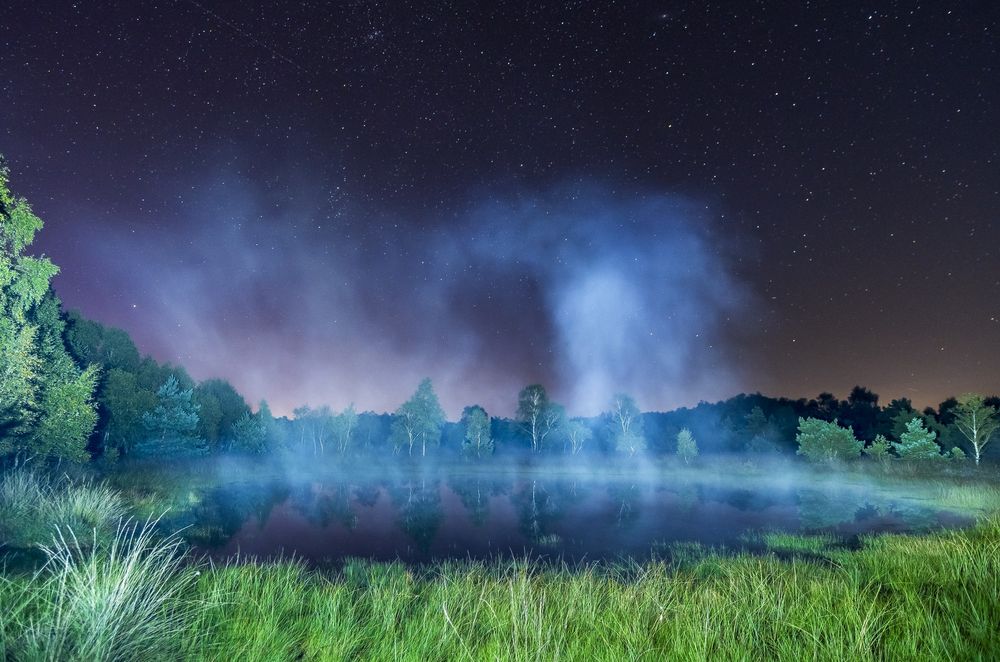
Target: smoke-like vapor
[(589, 293), (636, 288)]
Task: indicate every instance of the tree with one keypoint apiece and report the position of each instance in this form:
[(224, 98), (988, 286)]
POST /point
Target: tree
[(68, 418), (578, 434), (313, 426), (917, 443), (344, 424), (878, 450), (220, 406), (418, 420), (172, 424), (828, 406), (44, 408), (687, 447), (476, 422), (275, 437), (892, 419), (825, 441), (91, 342), (123, 402), (630, 443), (976, 421), (539, 417), (759, 430), (626, 424), (249, 435), (861, 412)]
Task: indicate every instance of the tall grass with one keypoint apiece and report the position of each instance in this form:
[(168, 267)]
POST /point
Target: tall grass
[(933, 596), (31, 505), (124, 600), (898, 597)]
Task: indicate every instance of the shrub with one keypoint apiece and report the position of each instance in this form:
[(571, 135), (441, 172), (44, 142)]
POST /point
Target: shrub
[(917, 443), (878, 449), (825, 441)]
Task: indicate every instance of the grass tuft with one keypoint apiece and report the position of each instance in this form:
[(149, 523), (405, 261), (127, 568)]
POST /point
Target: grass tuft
[(123, 600)]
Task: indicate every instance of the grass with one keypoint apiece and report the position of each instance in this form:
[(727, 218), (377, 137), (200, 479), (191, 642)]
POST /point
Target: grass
[(781, 541), (934, 596), (32, 507), (899, 597), (126, 599)]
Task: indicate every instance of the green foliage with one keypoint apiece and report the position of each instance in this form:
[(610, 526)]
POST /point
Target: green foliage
[(976, 422), (418, 421), (758, 430), (20, 383), (687, 447), (878, 450), (46, 407), (476, 422), (67, 418), (956, 454), (912, 597), (917, 443), (220, 406), (124, 402), (172, 425), (126, 600), (91, 342), (275, 437), (249, 435), (825, 441), (313, 426), (31, 507)]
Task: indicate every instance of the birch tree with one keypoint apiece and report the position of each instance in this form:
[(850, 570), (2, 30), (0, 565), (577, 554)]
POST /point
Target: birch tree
[(976, 421)]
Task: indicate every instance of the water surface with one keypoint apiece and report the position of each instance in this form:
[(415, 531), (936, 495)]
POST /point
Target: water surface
[(458, 516)]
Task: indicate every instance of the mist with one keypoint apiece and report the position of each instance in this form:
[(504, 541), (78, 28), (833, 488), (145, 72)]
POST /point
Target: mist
[(308, 300)]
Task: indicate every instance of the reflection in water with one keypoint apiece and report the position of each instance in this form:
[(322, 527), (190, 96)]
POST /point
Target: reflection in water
[(423, 518), (420, 514), (626, 497)]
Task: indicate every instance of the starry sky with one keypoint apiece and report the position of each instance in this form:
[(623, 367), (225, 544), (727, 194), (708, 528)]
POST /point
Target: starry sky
[(323, 202)]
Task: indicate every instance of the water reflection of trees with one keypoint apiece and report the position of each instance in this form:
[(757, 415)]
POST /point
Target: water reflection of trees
[(540, 506), (475, 493), (626, 498), (821, 509), (366, 494), (419, 505), (222, 511)]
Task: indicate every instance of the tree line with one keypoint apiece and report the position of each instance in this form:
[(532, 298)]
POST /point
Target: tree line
[(72, 389)]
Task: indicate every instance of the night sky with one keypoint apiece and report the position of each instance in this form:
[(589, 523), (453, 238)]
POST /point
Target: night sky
[(323, 204)]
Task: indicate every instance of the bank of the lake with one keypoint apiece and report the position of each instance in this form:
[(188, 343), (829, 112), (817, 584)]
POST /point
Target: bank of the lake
[(929, 596)]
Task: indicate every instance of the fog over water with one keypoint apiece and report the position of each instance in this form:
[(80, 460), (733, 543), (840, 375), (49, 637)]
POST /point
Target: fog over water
[(582, 513)]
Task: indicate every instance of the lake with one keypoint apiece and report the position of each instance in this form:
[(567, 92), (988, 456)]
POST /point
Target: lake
[(457, 515)]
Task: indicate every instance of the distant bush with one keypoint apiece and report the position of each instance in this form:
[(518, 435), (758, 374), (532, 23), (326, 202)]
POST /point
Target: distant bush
[(878, 450), (825, 441), (917, 443)]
